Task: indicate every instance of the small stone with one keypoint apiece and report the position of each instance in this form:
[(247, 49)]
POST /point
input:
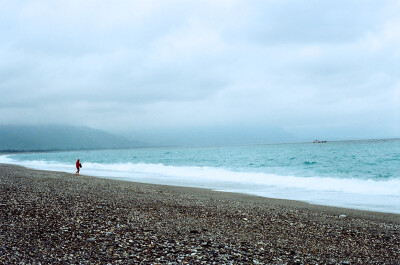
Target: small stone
[(342, 216), (91, 239)]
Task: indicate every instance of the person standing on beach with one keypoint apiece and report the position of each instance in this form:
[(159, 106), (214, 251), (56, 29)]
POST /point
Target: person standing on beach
[(78, 166)]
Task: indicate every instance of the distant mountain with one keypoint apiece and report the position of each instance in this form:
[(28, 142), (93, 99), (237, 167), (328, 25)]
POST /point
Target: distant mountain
[(51, 137)]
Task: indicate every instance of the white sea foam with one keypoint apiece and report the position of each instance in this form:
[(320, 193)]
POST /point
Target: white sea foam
[(354, 193), (126, 170)]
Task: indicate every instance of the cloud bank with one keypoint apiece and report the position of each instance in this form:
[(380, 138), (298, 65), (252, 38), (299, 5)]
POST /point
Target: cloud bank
[(310, 67)]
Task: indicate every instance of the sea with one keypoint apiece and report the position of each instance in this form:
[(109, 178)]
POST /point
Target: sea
[(351, 174)]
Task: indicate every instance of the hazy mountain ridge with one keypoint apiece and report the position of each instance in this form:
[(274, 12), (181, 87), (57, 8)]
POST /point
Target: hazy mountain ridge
[(57, 137), (52, 137)]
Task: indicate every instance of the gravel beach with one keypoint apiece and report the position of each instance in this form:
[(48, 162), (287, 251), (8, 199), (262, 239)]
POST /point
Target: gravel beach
[(59, 218)]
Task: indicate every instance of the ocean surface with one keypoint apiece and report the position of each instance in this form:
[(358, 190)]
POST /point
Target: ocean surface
[(353, 174)]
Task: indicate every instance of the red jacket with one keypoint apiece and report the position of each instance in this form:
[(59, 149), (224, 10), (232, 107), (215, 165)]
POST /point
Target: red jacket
[(77, 164)]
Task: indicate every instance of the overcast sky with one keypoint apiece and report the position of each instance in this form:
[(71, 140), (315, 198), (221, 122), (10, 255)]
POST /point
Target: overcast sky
[(308, 67)]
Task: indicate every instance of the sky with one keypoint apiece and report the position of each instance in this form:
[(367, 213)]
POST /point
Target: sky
[(315, 68)]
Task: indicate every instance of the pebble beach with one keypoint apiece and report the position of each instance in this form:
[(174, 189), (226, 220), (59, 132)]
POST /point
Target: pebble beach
[(60, 218)]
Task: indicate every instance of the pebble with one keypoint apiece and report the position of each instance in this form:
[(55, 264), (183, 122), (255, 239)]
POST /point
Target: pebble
[(54, 218)]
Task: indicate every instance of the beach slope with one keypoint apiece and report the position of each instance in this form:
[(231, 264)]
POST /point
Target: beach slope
[(54, 217)]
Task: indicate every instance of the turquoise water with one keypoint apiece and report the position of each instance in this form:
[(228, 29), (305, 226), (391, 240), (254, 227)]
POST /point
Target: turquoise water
[(354, 174)]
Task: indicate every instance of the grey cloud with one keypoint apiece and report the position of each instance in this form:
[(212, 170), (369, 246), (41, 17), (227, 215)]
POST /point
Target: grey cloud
[(280, 22), (141, 64)]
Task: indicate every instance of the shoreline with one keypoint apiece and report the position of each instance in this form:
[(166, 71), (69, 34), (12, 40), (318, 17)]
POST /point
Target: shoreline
[(237, 196), (395, 217), (329, 202), (57, 217)]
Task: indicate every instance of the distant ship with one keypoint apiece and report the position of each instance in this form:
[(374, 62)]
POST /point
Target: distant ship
[(318, 142)]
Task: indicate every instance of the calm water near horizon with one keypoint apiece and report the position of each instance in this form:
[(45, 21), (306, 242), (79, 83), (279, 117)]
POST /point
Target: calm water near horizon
[(354, 174)]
